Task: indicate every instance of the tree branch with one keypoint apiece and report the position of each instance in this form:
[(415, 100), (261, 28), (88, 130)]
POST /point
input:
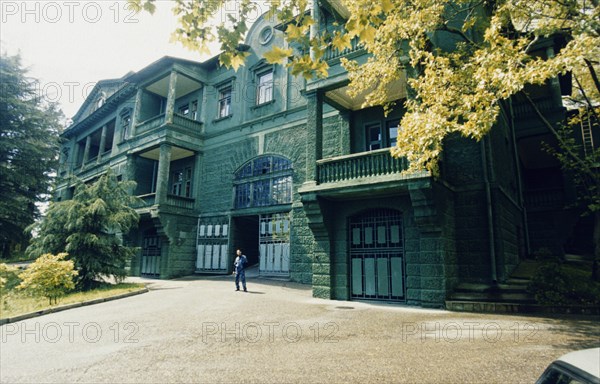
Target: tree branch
[(593, 74), (564, 146)]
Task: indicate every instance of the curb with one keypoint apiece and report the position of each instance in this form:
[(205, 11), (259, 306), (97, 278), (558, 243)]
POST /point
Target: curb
[(60, 308)]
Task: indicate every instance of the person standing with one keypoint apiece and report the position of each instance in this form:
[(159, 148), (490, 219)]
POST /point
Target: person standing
[(239, 268)]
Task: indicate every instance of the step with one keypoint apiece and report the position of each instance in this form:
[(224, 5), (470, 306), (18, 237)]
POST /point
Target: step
[(493, 307), (483, 306), (486, 297), (518, 281), (512, 287)]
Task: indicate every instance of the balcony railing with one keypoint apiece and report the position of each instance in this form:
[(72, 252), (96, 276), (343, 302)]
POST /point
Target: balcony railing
[(186, 122), (150, 124), (146, 200), (181, 202), (333, 53), (355, 166), (523, 110), (188, 125)]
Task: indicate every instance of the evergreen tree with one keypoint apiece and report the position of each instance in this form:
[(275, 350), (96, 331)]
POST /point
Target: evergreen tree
[(29, 129), (90, 228)]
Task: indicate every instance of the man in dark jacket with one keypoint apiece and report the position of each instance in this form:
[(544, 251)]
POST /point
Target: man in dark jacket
[(239, 268)]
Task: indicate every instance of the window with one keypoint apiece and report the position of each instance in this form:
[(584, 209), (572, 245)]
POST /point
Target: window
[(374, 139), (224, 102), (100, 102), (182, 182), (265, 35), (125, 124), (264, 92), (264, 181), (194, 110), (392, 129), (377, 139), (184, 110)]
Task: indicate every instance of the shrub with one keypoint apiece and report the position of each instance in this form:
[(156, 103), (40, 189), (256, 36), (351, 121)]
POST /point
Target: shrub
[(9, 277), (557, 283), (50, 276)]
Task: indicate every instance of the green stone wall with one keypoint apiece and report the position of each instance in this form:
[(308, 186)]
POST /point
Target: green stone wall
[(427, 252)]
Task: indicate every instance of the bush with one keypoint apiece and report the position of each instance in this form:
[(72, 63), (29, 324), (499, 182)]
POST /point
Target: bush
[(557, 283), (50, 276), (9, 277)]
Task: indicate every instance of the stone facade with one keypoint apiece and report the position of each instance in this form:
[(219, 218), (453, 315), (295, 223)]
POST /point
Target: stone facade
[(299, 177)]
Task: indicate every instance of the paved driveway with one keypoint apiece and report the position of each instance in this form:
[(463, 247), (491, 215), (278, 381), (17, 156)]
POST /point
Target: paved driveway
[(191, 331)]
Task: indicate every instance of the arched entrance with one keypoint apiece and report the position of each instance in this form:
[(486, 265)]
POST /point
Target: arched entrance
[(376, 248), (262, 223)]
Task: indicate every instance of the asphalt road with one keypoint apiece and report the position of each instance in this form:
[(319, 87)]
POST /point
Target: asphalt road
[(202, 331)]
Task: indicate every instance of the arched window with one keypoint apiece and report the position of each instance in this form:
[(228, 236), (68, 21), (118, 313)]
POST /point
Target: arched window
[(263, 181)]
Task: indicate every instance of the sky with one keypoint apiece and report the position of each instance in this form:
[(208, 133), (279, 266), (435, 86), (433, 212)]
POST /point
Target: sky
[(70, 45)]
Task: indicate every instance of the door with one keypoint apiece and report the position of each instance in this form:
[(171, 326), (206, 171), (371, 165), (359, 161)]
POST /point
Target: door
[(377, 256), (151, 255), (274, 244), (211, 246)]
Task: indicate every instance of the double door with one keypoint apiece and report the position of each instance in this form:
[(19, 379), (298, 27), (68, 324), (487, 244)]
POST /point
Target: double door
[(377, 256), (274, 244)]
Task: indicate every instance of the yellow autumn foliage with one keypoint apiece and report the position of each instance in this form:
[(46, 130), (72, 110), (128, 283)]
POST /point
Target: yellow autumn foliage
[(49, 276)]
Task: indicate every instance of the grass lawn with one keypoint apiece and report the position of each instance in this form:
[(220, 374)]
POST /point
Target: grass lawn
[(13, 304)]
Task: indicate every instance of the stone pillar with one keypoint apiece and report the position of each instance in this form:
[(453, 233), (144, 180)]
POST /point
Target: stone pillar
[(555, 91), (171, 96), (102, 143), (345, 132), (432, 248), (162, 183), (86, 151), (314, 137), (197, 174), (321, 252), (130, 170), (135, 117)]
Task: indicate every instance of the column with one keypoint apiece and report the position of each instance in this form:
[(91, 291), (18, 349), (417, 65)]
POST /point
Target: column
[(345, 132), (555, 91), (135, 118), (102, 143), (171, 95), (86, 151), (314, 135), (162, 183), (197, 177)]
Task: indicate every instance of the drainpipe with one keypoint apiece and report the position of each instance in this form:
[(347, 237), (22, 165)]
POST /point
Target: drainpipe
[(511, 121), (490, 218)]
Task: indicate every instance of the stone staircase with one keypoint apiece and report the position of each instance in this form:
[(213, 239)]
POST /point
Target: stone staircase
[(508, 297)]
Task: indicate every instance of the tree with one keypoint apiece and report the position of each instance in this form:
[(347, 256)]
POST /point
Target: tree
[(29, 129), (90, 227), (50, 276)]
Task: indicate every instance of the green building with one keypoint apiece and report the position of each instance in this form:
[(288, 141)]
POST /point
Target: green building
[(299, 176)]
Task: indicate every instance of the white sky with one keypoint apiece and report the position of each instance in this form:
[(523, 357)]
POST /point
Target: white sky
[(70, 45)]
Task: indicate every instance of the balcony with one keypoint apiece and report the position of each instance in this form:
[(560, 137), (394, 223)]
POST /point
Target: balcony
[(360, 165), (150, 124), (359, 175), (172, 201), (523, 110), (332, 53), (180, 123)]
